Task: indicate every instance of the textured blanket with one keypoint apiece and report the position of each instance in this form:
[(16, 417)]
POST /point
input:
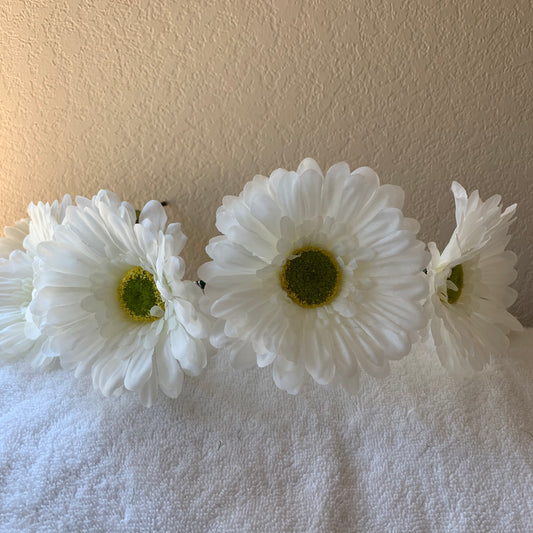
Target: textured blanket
[(417, 451)]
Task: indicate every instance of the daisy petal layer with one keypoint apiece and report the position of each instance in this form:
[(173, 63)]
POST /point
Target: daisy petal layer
[(345, 216)]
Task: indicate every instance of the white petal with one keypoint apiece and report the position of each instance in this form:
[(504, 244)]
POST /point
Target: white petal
[(319, 364), (108, 376), (139, 370), (154, 213), (233, 256), (265, 359), (287, 375), (148, 391), (190, 353), (309, 164), (169, 374), (175, 240)]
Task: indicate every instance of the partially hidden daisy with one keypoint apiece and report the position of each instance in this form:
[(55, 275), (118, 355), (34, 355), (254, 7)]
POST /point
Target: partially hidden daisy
[(20, 337), (14, 237), (315, 275), (469, 289), (111, 298)]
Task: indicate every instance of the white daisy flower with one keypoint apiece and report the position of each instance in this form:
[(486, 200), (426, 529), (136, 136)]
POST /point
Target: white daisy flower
[(469, 285), (20, 337), (315, 275), (111, 298)]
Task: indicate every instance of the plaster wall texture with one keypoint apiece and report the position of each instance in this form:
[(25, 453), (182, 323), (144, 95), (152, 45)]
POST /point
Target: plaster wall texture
[(186, 101)]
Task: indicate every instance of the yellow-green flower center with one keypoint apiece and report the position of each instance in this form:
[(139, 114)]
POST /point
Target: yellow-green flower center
[(456, 277), (139, 297), (311, 277)]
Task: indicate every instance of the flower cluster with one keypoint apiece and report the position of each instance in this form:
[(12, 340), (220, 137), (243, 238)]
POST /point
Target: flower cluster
[(314, 275)]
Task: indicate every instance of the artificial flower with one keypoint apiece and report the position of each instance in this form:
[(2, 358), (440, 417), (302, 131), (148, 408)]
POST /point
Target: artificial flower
[(111, 298), (20, 337), (469, 289), (315, 275)]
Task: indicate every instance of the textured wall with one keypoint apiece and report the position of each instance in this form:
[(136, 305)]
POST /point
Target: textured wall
[(186, 101)]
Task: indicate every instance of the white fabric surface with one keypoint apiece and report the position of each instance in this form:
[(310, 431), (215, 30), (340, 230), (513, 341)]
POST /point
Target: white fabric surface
[(417, 451)]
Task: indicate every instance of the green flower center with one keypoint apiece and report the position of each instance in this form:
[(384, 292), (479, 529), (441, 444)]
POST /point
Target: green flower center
[(457, 278), (139, 297), (311, 277)]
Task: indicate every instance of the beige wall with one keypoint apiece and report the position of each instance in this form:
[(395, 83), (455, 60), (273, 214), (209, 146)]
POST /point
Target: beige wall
[(186, 101)]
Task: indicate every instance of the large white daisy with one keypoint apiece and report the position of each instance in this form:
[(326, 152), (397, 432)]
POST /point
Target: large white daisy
[(469, 289), (315, 275), (20, 337), (111, 298)]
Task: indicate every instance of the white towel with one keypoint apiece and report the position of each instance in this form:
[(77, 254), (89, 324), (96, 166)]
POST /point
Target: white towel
[(417, 451)]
